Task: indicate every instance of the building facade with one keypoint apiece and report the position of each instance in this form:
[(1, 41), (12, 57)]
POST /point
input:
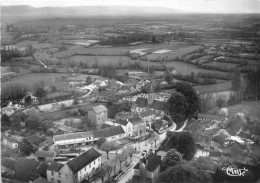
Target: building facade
[(98, 114)]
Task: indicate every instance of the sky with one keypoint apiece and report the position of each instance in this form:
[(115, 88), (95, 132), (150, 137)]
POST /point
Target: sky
[(200, 6)]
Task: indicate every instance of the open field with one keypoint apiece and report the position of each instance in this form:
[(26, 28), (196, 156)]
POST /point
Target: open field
[(222, 64), (101, 60), (213, 88), (251, 108), (82, 36), (6, 38), (35, 44), (30, 79), (202, 59)]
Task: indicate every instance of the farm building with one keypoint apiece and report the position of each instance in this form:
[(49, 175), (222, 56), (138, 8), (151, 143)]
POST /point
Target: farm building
[(46, 156), (112, 133)]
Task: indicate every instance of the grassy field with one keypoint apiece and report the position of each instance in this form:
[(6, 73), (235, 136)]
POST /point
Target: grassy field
[(30, 79), (213, 88), (251, 108), (35, 44), (222, 64), (203, 59)]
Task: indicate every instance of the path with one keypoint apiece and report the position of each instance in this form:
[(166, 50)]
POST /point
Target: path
[(183, 126), (45, 66)]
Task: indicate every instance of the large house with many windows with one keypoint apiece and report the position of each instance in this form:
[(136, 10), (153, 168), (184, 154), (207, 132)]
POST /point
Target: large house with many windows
[(75, 171), (98, 114)]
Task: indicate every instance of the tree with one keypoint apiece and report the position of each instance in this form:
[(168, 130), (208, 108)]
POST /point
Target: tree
[(46, 125), (109, 169), (130, 151), (28, 99), (186, 145), (172, 158), (5, 120), (177, 107), (220, 102), (236, 82), (168, 77), (190, 95), (40, 93), (54, 88), (101, 173), (109, 146), (32, 122), (100, 141), (121, 157), (184, 173), (26, 147), (88, 80)]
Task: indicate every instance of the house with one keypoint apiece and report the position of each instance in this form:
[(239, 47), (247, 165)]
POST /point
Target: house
[(10, 142), (29, 170), (139, 127), (202, 142), (221, 137), (147, 116), (113, 133), (160, 124), (127, 126), (7, 165), (47, 156), (234, 126), (72, 139), (98, 114), (78, 169), (65, 129), (212, 117), (148, 166), (196, 127), (159, 107)]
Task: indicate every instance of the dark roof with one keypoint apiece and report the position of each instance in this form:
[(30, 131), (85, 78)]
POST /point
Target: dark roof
[(141, 102), (122, 122), (45, 154), (40, 180), (104, 125), (27, 169), (8, 163), (234, 125), (83, 160), (36, 140), (160, 123), (136, 120), (212, 116), (146, 112), (202, 140), (244, 135), (69, 136), (66, 128), (55, 167), (108, 132), (196, 127), (159, 105), (153, 161)]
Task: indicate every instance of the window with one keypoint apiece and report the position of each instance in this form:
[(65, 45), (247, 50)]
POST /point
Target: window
[(89, 165), (52, 173), (52, 179), (66, 176), (58, 181), (94, 162), (99, 159), (85, 168)]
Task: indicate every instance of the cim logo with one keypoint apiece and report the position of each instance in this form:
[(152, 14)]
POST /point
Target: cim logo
[(235, 171)]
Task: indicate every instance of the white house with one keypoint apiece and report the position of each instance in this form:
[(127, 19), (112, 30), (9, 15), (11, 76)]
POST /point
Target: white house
[(76, 170), (127, 126)]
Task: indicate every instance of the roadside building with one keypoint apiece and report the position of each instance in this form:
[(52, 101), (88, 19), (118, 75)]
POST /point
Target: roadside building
[(127, 126), (160, 124), (72, 139), (98, 114), (139, 127), (148, 168), (75, 171), (10, 142), (113, 133), (148, 117), (46, 156), (212, 117)]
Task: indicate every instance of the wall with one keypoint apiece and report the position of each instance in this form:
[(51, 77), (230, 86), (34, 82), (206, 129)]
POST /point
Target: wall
[(84, 172), (92, 116), (65, 170)]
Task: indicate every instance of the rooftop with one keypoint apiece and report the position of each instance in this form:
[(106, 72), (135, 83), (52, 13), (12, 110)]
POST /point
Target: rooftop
[(202, 140), (234, 125), (70, 136), (146, 112), (122, 122), (8, 163), (45, 153), (83, 160), (99, 108), (151, 160), (66, 128), (196, 127), (9, 139), (55, 167), (135, 121), (212, 116), (108, 132)]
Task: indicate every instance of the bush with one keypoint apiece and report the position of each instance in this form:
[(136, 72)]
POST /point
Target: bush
[(100, 141)]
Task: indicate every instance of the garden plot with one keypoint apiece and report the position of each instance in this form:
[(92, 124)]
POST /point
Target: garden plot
[(162, 51), (139, 51)]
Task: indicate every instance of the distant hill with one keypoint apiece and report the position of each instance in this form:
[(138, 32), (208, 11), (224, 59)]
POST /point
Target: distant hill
[(81, 11)]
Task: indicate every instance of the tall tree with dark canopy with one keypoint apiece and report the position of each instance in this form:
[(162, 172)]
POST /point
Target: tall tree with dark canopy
[(5, 121), (26, 147), (190, 95), (177, 107), (186, 145), (172, 158), (184, 173)]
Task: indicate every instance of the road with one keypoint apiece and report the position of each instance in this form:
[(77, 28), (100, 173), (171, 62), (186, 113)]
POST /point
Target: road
[(35, 55)]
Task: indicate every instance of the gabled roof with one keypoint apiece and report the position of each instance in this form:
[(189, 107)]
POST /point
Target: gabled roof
[(146, 112), (160, 123), (83, 160), (66, 128), (55, 167), (9, 139), (135, 121), (222, 135), (159, 105), (123, 122), (108, 132), (70, 136), (99, 108), (212, 116), (45, 154), (196, 127), (8, 163), (202, 140), (153, 161), (141, 102), (234, 125)]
